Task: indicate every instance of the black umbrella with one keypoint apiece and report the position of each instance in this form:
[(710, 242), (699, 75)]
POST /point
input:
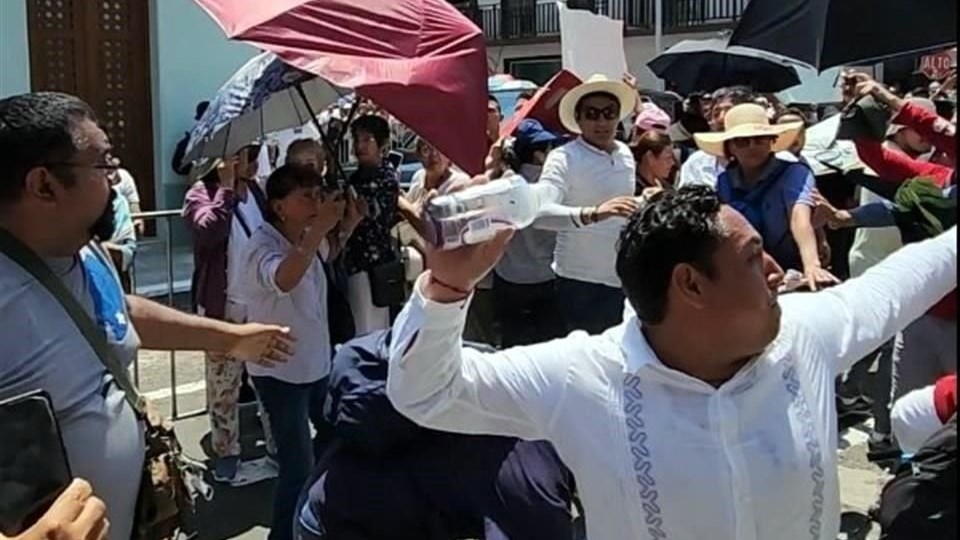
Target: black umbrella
[(828, 33), (708, 64)]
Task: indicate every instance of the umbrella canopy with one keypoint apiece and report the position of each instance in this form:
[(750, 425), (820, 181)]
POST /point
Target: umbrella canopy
[(260, 98), (708, 64), (545, 105), (421, 60), (828, 33)]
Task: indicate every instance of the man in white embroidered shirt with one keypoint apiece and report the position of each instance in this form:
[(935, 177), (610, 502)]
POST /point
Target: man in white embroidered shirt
[(587, 187), (707, 414)]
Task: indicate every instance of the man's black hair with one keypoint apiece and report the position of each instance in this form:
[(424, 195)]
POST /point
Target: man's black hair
[(675, 227), (284, 181), (375, 125), (36, 129), (738, 95)]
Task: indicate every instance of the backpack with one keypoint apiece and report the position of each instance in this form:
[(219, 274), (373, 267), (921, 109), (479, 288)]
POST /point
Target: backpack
[(921, 500)]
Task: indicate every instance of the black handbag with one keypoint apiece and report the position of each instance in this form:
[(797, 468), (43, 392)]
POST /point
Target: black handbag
[(388, 282)]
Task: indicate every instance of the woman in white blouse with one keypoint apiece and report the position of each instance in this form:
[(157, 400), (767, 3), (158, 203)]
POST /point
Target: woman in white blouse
[(285, 283)]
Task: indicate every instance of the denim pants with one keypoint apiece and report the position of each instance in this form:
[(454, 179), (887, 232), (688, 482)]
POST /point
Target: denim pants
[(292, 409), (589, 306)]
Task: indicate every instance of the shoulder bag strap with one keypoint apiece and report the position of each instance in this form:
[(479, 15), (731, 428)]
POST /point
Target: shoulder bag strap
[(32, 264)]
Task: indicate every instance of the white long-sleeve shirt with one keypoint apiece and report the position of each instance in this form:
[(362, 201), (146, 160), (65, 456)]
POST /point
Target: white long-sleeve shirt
[(578, 175), (658, 454)]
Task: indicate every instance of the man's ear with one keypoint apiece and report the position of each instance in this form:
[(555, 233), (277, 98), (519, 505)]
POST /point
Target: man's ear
[(39, 184), (688, 286)]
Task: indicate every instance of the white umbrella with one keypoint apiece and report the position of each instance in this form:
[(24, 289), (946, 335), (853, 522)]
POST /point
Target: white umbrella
[(264, 96)]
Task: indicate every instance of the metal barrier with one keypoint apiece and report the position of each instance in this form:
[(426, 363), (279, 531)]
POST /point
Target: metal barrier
[(163, 237)]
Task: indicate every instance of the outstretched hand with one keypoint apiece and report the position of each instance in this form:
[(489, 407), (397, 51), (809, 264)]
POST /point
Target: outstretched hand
[(263, 344)]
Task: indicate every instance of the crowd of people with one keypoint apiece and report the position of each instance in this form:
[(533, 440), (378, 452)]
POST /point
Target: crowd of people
[(633, 356)]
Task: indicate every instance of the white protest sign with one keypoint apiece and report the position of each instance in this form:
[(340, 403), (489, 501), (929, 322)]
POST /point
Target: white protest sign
[(591, 44)]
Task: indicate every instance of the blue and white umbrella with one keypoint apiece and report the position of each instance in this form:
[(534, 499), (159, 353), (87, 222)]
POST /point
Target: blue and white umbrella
[(266, 95)]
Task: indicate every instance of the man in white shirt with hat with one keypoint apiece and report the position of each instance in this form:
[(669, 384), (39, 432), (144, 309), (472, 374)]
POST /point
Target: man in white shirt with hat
[(709, 412), (587, 188)]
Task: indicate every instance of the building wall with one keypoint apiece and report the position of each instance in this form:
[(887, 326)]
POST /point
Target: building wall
[(14, 52), (191, 59), (639, 50)]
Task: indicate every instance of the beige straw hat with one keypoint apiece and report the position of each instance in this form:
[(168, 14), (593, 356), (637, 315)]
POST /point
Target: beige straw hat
[(745, 121), (597, 83)]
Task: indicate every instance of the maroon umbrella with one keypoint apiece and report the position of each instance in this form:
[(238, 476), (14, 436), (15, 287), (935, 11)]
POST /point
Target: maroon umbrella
[(421, 60)]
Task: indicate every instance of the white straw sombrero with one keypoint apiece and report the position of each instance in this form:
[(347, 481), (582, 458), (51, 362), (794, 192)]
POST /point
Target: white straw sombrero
[(597, 83), (745, 121)]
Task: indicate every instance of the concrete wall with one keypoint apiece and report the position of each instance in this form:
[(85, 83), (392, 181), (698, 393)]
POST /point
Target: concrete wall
[(639, 50), (14, 49), (191, 59)]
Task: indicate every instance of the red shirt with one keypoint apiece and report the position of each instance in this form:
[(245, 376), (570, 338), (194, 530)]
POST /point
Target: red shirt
[(897, 167), (945, 397)]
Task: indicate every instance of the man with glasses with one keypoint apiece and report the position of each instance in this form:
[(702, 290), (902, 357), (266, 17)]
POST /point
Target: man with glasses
[(587, 186), (55, 203)]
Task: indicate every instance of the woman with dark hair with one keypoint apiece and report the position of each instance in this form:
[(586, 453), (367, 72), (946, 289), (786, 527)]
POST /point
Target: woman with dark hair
[(372, 251), (285, 283), (656, 160), (774, 195)]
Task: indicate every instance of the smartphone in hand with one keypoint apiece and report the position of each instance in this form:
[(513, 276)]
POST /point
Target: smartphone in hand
[(33, 462), (395, 158)]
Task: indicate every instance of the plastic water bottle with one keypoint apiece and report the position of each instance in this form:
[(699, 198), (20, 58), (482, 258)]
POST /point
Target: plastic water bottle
[(476, 214)]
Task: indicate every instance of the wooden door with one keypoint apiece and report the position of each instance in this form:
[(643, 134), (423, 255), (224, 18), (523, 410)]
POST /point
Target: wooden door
[(99, 51)]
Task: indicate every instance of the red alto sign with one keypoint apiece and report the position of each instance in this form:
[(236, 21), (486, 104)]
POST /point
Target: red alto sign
[(937, 66)]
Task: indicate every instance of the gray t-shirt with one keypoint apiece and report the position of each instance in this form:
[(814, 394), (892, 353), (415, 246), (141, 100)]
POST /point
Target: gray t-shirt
[(528, 258), (41, 348)]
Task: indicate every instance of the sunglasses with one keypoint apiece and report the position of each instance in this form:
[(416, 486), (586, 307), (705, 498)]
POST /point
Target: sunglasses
[(593, 114), (745, 142)]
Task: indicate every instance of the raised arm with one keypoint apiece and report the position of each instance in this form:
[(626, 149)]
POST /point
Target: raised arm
[(929, 125), (209, 214), (437, 383), (853, 319), (897, 167)]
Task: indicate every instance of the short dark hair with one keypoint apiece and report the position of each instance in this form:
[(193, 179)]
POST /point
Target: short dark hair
[(675, 227), (36, 129), (738, 95), (375, 125), (791, 111), (304, 144), (579, 105), (650, 141), (284, 181)]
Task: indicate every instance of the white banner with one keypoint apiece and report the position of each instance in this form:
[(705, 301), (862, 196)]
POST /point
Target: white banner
[(591, 44)]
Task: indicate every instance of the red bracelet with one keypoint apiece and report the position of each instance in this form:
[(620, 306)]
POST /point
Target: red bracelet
[(448, 286)]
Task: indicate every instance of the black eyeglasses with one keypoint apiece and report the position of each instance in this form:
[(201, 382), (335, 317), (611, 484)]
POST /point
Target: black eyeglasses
[(745, 142), (611, 112), (97, 166), (108, 169)]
